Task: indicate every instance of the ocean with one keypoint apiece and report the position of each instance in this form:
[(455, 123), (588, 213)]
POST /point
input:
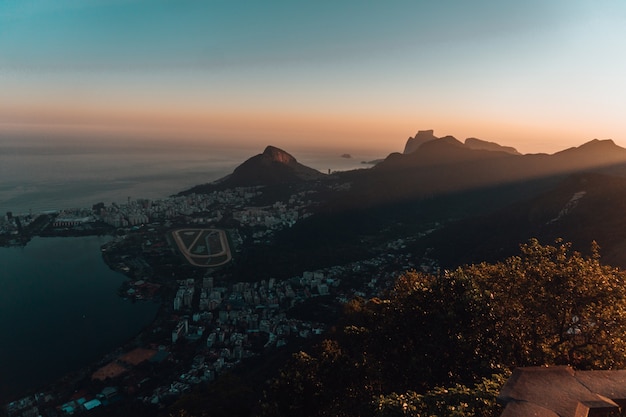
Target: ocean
[(58, 304), (41, 175)]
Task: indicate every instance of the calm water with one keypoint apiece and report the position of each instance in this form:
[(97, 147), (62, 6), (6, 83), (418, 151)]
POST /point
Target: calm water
[(38, 175), (42, 176), (59, 311)]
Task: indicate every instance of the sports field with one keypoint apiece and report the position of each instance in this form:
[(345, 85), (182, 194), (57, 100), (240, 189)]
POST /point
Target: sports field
[(203, 247)]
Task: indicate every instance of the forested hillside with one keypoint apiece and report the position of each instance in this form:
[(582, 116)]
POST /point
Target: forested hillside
[(444, 344)]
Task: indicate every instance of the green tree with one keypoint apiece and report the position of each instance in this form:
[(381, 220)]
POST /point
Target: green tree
[(551, 305), (457, 401), (326, 383), (548, 305), (415, 338)]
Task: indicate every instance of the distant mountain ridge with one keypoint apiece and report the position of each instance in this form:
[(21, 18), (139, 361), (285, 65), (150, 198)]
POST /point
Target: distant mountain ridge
[(426, 136), (446, 165), (578, 193), (479, 144), (438, 166)]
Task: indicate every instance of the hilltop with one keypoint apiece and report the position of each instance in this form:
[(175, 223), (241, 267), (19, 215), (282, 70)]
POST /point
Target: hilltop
[(424, 136), (272, 167)]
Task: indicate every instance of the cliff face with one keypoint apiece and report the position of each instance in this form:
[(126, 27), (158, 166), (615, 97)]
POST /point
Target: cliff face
[(421, 137), (272, 153), (273, 166)]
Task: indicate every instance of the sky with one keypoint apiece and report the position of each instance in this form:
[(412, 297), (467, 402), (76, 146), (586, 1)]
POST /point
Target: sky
[(539, 75)]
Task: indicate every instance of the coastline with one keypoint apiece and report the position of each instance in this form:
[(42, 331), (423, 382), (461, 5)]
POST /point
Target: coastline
[(143, 252), (89, 317), (141, 238)]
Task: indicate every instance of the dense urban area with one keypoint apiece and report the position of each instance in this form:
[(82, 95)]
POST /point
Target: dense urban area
[(211, 320)]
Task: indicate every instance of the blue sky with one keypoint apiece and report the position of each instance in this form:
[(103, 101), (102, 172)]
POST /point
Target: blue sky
[(538, 75)]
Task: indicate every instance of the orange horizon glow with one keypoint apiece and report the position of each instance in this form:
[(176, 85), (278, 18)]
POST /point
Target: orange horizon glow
[(538, 76), (384, 133)]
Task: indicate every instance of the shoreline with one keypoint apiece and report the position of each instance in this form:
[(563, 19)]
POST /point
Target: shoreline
[(70, 378)]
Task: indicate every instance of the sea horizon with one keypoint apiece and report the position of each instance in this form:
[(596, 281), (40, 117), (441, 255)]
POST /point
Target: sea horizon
[(39, 175)]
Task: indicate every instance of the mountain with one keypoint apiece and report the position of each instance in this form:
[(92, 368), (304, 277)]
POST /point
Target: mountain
[(447, 165), (474, 143), (592, 154), (272, 167), (437, 151), (439, 167), (422, 136), (492, 200), (582, 208)]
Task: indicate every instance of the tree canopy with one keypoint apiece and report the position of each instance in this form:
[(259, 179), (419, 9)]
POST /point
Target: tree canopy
[(551, 305), (457, 333)]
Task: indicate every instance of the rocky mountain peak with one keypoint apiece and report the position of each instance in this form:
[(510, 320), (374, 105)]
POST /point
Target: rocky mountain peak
[(421, 137), (278, 155)]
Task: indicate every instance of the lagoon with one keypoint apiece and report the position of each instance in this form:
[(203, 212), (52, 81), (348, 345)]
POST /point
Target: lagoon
[(59, 311)]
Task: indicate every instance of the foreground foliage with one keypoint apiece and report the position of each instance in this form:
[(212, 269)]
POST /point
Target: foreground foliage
[(440, 345), (553, 306), (478, 401)]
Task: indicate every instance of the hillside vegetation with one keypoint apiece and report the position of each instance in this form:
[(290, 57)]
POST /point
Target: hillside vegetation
[(442, 345)]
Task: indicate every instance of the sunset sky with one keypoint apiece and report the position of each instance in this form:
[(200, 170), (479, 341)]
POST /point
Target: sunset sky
[(538, 75)]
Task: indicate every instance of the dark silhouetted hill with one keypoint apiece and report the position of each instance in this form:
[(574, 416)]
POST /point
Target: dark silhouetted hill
[(479, 144), (581, 208), (447, 165), (272, 167), (421, 137), (424, 136)]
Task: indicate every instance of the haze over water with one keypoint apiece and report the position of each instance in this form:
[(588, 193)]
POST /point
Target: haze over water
[(38, 175)]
